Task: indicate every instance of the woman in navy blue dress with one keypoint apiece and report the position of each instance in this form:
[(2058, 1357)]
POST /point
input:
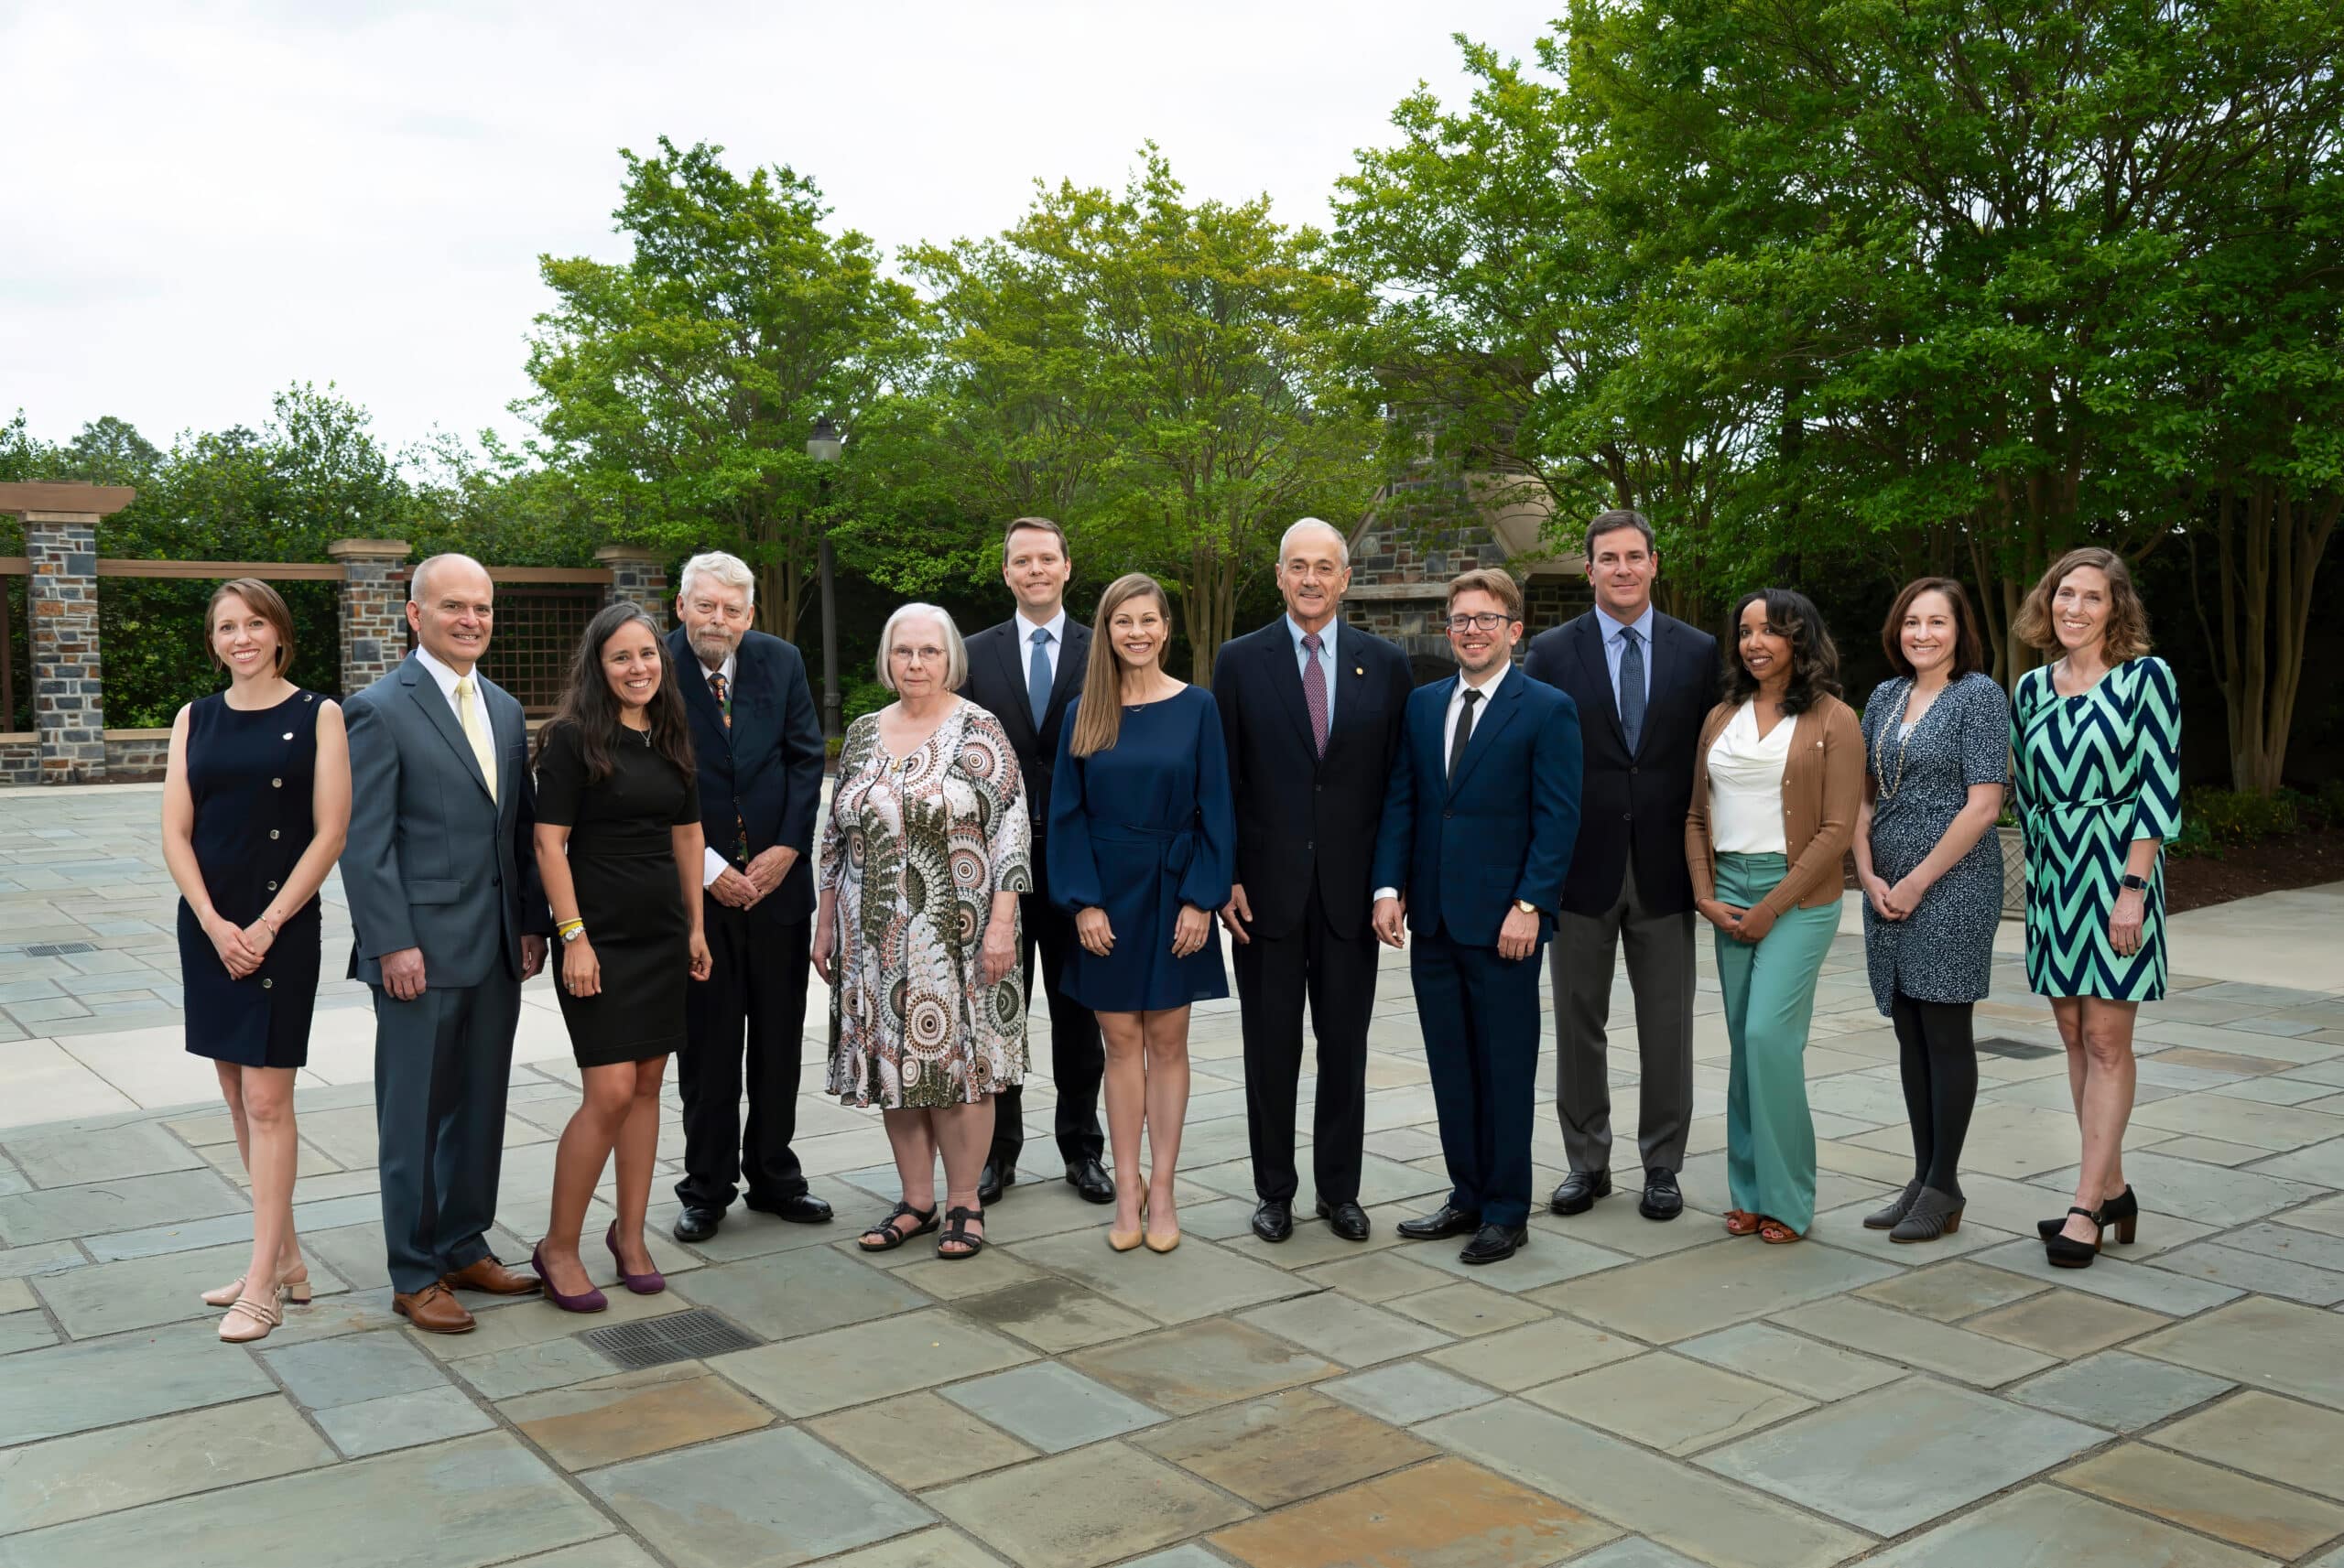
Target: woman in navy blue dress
[(1140, 847), (256, 806)]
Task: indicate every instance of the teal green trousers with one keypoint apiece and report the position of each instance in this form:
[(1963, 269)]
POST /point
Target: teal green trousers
[(1769, 1001)]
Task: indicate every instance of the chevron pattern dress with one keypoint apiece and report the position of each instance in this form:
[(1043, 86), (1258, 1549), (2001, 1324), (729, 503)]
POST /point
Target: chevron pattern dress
[(2095, 773)]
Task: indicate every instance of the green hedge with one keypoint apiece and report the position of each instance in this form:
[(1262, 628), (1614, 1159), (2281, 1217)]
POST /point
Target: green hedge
[(150, 631)]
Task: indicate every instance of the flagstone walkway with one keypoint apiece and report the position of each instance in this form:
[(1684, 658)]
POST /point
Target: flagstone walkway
[(1621, 1395)]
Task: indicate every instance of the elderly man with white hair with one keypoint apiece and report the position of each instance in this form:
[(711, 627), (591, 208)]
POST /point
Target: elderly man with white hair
[(758, 742), (1311, 708)]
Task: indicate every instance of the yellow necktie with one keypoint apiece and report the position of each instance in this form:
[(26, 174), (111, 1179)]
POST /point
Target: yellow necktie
[(475, 723)]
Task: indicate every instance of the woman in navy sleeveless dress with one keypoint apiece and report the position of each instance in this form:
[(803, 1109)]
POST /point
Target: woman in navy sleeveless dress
[(1142, 846), (256, 806)]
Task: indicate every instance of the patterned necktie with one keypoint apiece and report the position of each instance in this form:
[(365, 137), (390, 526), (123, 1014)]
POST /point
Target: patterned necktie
[(722, 689), (1314, 691), (476, 727), (1464, 731), (1038, 676), (1631, 684)]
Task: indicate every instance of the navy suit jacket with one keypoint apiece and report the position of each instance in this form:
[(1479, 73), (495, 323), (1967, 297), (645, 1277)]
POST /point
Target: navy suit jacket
[(1632, 804), (432, 862), (1462, 849), (767, 767)]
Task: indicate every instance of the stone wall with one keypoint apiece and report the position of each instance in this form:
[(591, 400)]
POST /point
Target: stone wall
[(373, 608), (69, 693), (638, 576), (138, 756), (20, 758)]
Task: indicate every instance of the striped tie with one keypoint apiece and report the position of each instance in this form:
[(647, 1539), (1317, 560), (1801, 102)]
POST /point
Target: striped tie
[(722, 689)]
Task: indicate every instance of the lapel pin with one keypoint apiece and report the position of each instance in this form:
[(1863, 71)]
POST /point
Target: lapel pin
[(1358, 669)]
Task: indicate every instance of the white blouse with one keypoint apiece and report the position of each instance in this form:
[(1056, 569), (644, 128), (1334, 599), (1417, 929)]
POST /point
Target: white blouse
[(1746, 786)]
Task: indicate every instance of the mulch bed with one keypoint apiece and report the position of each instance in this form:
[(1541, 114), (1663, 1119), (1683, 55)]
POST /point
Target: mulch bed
[(2274, 865)]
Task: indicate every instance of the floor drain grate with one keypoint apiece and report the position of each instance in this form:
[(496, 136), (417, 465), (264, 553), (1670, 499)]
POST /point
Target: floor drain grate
[(679, 1336), (58, 950), (2022, 1050)]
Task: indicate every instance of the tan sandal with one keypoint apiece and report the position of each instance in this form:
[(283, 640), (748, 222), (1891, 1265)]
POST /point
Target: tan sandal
[(248, 1320), (1774, 1233), (1740, 1222)]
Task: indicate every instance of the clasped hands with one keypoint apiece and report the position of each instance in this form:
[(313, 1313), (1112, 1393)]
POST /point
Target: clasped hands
[(1896, 902), (1748, 925), (241, 948), (1097, 935), (743, 889)]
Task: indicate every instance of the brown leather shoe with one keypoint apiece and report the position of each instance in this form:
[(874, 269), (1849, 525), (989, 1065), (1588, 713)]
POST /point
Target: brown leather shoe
[(433, 1310), (492, 1277)]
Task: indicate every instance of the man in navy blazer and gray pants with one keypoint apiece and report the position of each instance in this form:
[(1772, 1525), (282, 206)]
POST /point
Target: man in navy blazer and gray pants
[(448, 920), (1643, 683), (1479, 824)]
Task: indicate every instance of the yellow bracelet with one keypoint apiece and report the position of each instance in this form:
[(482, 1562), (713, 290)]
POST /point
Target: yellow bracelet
[(564, 928)]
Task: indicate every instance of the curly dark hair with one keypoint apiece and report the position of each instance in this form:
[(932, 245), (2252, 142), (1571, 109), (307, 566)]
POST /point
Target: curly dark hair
[(594, 708), (1815, 659)]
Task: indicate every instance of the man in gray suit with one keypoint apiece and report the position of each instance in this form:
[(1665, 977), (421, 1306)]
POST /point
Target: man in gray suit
[(449, 919)]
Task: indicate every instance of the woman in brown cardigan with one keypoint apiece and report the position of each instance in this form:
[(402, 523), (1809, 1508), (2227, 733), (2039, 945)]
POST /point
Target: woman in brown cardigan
[(1776, 781)]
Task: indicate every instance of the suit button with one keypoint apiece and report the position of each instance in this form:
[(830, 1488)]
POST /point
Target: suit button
[(1631, 773), (1627, 816), (1447, 815), (271, 832), (277, 783), (1310, 844), (272, 887), (267, 983)]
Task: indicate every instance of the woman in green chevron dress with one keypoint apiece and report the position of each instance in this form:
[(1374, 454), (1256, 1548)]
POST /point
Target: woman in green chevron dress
[(2097, 734)]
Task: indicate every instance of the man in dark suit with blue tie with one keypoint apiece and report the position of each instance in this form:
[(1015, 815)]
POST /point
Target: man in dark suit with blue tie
[(1479, 823), (1643, 682), (759, 747), (1310, 708), (1025, 672)]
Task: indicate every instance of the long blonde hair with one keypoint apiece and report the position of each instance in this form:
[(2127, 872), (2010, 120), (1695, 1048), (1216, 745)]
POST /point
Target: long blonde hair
[(1099, 718)]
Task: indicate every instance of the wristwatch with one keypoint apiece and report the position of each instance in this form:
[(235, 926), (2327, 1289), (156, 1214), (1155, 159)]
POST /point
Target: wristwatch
[(1525, 905), (2135, 884), (573, 935)]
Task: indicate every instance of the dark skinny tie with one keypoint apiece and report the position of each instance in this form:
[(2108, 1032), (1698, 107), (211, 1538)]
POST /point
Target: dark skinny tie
[(1464, 731), (1631, 684)]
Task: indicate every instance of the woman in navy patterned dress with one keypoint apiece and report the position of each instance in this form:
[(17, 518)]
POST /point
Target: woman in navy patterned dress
[(256, 806), (1936, 763), (2097, 738)]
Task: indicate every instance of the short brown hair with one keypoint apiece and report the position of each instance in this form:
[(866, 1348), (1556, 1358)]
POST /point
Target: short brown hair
[(1498, 584), (1042, 525), (262, 601), (1969, 648), (1611, 522), (2127, 633)]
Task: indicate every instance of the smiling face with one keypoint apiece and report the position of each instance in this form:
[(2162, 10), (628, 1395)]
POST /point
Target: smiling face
[(1481, 631), (1620, 565), (918, 659), (453, 611), (2080, 608), (631, 663), (1764, 648), (1138, 630), (715, 617), (1312, 576), (243, 639), (1035, 567), (1930, 635)]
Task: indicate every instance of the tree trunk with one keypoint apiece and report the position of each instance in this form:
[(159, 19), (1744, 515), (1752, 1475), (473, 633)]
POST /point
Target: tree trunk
[(2267, 555)]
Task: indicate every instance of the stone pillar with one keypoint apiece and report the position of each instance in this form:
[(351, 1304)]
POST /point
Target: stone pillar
[(639, 577), (62, 599), (373, 608)]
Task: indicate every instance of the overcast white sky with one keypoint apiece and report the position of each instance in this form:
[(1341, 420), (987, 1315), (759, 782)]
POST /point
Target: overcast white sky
[(203, 203)]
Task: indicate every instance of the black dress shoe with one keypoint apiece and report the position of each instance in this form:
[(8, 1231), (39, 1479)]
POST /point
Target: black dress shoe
[(1579, 1190), (1442, 1222), (1663, 1199), (1273, 1219), (1089, 1179), (1492, 1242), (799, 1208), (992, 1179), (698, 1224), (1346, 1219)]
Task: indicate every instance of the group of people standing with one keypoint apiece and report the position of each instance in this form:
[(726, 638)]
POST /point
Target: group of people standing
[(1043, 790)]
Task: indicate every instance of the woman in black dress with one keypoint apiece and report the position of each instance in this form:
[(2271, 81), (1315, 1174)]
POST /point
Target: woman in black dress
[(255, 805), (619, 846)]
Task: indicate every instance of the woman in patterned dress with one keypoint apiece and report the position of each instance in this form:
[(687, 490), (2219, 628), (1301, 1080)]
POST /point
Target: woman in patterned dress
[(2098, 737), (922, 858), (1936, 763)]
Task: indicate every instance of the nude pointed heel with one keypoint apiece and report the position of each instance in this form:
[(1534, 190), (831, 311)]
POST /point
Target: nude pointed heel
[(296, 1287)]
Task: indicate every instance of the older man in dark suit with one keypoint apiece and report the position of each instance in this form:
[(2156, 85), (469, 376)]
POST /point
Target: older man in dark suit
[(448, 920), (1025, 672), (1643, 683), (1311, 708), (759, 746)]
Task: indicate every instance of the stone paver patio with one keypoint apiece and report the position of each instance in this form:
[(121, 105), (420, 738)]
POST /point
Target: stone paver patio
[(1622, 1395)]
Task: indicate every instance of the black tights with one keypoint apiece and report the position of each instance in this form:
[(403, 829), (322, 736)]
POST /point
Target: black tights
[(1938, 1059)]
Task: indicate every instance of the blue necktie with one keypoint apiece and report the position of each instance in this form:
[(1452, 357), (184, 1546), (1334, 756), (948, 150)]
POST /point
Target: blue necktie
[(1631, 684), (1038, 676)]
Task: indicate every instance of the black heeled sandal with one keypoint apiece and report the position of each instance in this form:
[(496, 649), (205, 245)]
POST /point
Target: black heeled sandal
[(896, 1236), (2065, 1252), (957, 1233), (2122, 1211)]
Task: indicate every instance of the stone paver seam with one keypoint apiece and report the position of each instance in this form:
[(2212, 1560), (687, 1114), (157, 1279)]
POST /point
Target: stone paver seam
[(2174, 1521)]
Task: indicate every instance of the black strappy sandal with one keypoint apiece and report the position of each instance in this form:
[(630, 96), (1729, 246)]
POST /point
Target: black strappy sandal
[(896, 1236), (958, 1231)]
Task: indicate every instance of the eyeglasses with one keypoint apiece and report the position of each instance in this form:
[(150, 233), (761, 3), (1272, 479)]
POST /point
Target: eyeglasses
[(1488, 621), (924, 656)]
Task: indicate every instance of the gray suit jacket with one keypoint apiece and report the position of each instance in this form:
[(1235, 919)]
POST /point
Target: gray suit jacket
[(431, 861)]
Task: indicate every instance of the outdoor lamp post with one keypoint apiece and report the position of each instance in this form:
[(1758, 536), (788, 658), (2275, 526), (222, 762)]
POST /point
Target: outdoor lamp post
[(824, 447)]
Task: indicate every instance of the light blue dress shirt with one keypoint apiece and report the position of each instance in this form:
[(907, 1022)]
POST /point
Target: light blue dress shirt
[(1326, 661), (1615, 645)]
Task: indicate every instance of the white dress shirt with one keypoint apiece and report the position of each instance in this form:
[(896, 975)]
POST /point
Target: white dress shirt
[(1746, 784), (1026, 627), (1488, 686), (445, 676), (712, 864)]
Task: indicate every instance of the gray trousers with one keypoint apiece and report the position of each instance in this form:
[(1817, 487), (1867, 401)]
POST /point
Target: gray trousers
[(441, 1065), (1660, 973)]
